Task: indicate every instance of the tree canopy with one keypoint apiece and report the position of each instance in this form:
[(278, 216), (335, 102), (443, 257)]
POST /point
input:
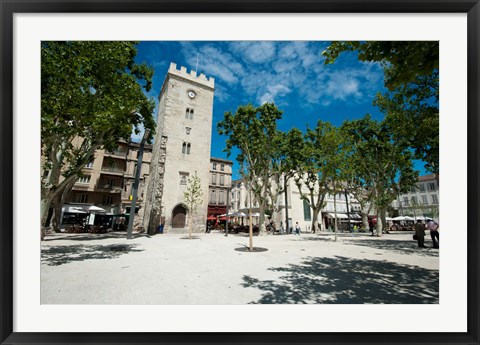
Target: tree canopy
[(410, 105), (92, 95)]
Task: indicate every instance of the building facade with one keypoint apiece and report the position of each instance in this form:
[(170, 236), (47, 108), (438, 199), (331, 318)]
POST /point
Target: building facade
[(220, 186), (298, 209), (107, 183), (181, 149), (421, 200)]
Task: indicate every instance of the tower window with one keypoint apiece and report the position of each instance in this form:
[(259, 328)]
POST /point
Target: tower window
[(189, 114), (186, 148)]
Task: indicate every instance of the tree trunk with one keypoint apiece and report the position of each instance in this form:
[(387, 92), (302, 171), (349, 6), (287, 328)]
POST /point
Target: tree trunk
[(364, 220), (379, 222), (315, 220), (190, 225), (250, 230), (57, 213), (383, 216), (262, 219), (335, 210)]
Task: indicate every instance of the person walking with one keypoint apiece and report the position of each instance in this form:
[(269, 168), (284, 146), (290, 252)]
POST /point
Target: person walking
[(297, 229), (420, 233), (433, 227)]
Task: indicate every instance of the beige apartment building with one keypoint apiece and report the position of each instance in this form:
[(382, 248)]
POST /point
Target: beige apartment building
[(107, 184), (421, 200), (220, 186)]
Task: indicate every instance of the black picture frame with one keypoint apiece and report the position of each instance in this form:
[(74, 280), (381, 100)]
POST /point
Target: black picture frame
[(10, 7)]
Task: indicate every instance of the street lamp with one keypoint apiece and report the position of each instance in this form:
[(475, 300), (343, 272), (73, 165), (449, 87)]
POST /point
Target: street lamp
[(135, 184)]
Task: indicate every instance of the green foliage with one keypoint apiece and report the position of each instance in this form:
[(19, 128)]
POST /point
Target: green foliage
[(194, 194), (403, 61), (90, 88), (411, 104), (251, 130), (411, 113), (91, 96), (379, 164)]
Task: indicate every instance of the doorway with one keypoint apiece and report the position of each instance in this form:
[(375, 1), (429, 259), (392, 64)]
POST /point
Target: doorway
[(179, 216)]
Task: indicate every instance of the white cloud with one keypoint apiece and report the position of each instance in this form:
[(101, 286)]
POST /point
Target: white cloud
[(286, 68), (255, 51), (214, 62), (272, 91)]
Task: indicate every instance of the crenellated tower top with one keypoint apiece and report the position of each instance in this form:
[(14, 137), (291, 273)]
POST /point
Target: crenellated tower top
[(192, 76)]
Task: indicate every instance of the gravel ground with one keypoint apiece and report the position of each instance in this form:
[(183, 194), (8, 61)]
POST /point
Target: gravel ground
[(214, 269)]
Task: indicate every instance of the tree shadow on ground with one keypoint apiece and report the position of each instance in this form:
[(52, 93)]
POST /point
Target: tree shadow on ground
[(92, 237), (397, 246), (344, 280), (60, 255)]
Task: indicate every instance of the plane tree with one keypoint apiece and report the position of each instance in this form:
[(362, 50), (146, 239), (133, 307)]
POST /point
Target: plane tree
[(92, 95), (411, 107), (250, 131), (385, 168)]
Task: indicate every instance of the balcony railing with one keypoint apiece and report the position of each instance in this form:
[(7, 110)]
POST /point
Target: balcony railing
[(122, 153), (113, 169), (107, 187)]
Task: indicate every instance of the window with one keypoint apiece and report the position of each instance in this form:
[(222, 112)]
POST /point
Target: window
[(434, 198), (89, 165), (183, 178), (108, 182), (186, 148), (213, 197), (188, 130), (214, 166), (221, 197), (189, 114), (306, 211), (422, 187), (431, 186), (107, 199), (222, 167), (405, 201), (414, 200), (222, 180), (424, 200), (84, 179), (214, 179), (81, 198), (413, 190)]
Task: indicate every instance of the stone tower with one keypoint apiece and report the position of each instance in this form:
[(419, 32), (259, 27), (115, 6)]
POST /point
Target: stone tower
[(182, 147)]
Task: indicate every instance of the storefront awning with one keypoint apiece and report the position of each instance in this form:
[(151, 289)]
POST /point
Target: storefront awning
[(339, 215)]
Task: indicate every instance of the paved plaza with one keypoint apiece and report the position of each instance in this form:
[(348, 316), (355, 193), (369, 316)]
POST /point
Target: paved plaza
[(213, 269)]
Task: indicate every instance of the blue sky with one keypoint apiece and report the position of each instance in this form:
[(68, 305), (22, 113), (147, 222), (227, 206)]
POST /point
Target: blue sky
[(291, 74)]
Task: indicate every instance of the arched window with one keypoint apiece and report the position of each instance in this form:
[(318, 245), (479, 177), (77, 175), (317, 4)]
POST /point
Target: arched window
[(188, 149), (189, 114), (184, 148)]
